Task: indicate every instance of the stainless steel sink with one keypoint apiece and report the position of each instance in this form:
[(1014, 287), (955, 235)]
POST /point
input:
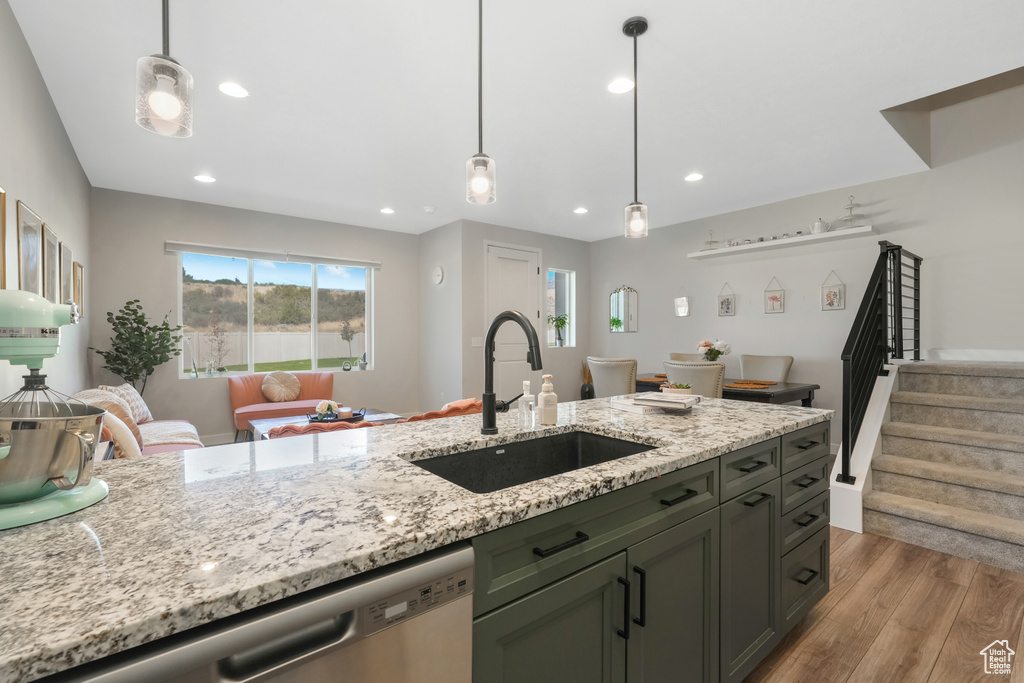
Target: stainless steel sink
[(491, 469)]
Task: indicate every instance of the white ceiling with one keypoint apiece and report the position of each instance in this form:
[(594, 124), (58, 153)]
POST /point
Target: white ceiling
[(360, 105)]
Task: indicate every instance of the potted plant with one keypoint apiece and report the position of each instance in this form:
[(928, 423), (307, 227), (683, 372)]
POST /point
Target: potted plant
[(683, 388), (560, 322), (137, 348), (712, 351), (616, 324)]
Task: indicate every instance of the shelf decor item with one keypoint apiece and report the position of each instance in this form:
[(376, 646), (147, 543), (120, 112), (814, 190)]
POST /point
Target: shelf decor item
[(833, 293), (774, 299), (849, 219), (726, 301)]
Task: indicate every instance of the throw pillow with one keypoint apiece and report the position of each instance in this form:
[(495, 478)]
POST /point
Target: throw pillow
[(92, 396), (136, 405), (281, 386), (118, 432), (121, 414)]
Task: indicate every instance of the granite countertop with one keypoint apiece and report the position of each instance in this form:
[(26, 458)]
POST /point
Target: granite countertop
[(187, 538)]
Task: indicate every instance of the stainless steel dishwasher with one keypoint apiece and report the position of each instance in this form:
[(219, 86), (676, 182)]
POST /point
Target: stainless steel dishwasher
[(410, 625)]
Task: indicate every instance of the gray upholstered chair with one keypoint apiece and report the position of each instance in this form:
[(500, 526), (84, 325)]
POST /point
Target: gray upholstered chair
[(688, 357), (704, 377), (767, 368), (612, 376)]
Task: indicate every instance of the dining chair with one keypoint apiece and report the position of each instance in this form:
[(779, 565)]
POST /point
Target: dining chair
[(704, 377), (688, 357), (767, 368), (612, 376)]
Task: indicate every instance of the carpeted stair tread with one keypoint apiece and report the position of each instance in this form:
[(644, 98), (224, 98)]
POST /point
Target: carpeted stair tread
[(962, 437), (969, 521), (951, 474), (970, 368), (995, 405)]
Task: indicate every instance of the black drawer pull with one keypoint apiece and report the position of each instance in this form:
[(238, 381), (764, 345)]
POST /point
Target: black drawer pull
[(810, 444), (624, 632), (753, 468), (642, 621), (809, 520), (806, 481), (810, 577), (754, 504), (580, 538), (690, 493)]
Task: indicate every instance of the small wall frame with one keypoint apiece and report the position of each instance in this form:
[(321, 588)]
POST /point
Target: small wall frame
[(833, 293), (726, 301), (774, 299)]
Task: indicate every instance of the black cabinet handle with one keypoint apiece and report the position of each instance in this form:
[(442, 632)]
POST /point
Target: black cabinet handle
[(806, 481), (755, 503), (690, 493), (809, 444), (811, 519), (753, 468), (810, 577), (642, 621), (580, 538), (624, 632)]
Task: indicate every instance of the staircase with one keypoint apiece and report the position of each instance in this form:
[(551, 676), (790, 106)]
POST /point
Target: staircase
[(951, 473)]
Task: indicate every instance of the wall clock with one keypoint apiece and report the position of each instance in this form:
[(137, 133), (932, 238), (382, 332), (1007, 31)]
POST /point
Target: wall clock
[(438, 275)]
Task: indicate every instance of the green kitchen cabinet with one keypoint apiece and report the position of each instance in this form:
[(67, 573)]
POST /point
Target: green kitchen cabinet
[(568, 631)]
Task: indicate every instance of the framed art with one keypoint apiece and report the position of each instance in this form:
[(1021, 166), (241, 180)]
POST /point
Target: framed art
[(3, 239), (30, 248), (79, 270), (833, 297), (67, 274), (726, 304), (775, 301), (51, 266)]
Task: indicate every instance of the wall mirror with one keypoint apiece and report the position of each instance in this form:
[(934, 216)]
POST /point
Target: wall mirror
[(622, 310)]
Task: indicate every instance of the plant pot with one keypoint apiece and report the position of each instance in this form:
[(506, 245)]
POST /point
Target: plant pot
[(673, 390), (587, 391)]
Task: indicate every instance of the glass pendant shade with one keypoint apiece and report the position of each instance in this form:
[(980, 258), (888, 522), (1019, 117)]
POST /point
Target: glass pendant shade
[(636, 220), (480, 180), (163, 97)]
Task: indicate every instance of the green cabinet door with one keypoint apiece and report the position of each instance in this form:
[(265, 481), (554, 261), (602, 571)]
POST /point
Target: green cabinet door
[(567, 631), (674, 577), (750, 600)]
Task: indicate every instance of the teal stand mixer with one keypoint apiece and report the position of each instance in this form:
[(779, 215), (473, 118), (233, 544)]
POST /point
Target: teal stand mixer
[(47, 440)]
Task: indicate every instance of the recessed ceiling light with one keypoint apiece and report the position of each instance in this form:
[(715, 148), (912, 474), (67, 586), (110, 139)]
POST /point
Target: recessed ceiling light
[(579, 210), (693, 177), (206, 178), (233, 90), (386, 210), (620, 85)]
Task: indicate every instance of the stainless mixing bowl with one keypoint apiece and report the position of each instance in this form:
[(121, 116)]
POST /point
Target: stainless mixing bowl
[(46, 452)]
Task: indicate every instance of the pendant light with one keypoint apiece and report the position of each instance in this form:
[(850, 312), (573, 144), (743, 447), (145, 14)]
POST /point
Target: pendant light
[(636, 213), (163, 92), (480, 167)]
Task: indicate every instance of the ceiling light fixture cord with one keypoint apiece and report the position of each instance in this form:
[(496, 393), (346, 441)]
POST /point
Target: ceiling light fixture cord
[(635, 137), (479, 73), (167, 28)]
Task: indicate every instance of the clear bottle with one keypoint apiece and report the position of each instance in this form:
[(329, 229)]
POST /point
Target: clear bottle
[(547, 403), (527, 403)]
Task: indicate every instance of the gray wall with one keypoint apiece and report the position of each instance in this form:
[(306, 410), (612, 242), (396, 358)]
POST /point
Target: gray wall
[(964, 217), (39, 167), (130, 230), (440, 347)]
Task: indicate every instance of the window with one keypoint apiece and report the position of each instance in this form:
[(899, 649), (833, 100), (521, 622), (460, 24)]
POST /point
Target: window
[(259, 315), (561, 307)]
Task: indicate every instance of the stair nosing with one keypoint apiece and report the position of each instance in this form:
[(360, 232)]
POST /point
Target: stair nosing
[(965, 437), (955, 475), (958, 401), (927, 512), (1002, 369)]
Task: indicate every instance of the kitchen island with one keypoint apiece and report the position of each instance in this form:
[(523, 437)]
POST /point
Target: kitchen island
[(188, 538)]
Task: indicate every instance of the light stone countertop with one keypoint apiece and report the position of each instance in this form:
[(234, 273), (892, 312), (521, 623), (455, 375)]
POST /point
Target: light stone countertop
[(187, 538)]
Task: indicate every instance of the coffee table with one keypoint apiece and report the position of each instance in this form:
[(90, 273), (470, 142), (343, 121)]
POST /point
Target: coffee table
[(261, 428)]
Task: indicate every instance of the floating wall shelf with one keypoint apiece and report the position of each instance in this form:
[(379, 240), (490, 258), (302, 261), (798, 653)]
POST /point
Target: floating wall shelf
[(845, 233)]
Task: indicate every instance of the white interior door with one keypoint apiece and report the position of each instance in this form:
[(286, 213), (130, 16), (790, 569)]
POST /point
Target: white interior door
[(513, 284)]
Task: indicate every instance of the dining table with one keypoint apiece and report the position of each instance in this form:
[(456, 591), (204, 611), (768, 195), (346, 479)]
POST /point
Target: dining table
[(778, 392)]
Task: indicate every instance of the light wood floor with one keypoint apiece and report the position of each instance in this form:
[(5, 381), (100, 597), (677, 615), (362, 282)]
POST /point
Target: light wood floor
[(897, 612)]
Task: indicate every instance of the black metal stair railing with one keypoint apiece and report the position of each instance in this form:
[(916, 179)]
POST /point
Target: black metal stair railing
[(887, 323)]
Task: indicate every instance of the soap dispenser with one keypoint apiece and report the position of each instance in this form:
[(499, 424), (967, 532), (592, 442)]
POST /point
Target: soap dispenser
[(547, 403), (527, 414)]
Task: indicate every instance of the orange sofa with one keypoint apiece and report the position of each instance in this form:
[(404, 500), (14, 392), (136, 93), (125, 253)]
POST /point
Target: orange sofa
[(249, 403)]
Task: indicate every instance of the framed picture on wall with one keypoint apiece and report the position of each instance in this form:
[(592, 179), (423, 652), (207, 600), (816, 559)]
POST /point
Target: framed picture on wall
[(30, 250), (67, 274), (775, 301), (833, 297), (726, 304), (51, 265), (80, 287), (3, 239)]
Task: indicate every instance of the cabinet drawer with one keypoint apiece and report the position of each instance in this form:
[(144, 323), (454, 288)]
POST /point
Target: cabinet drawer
[(804, 483), (804, 445), (804, 578), (518, 559), (803, 521), (749, 467)]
